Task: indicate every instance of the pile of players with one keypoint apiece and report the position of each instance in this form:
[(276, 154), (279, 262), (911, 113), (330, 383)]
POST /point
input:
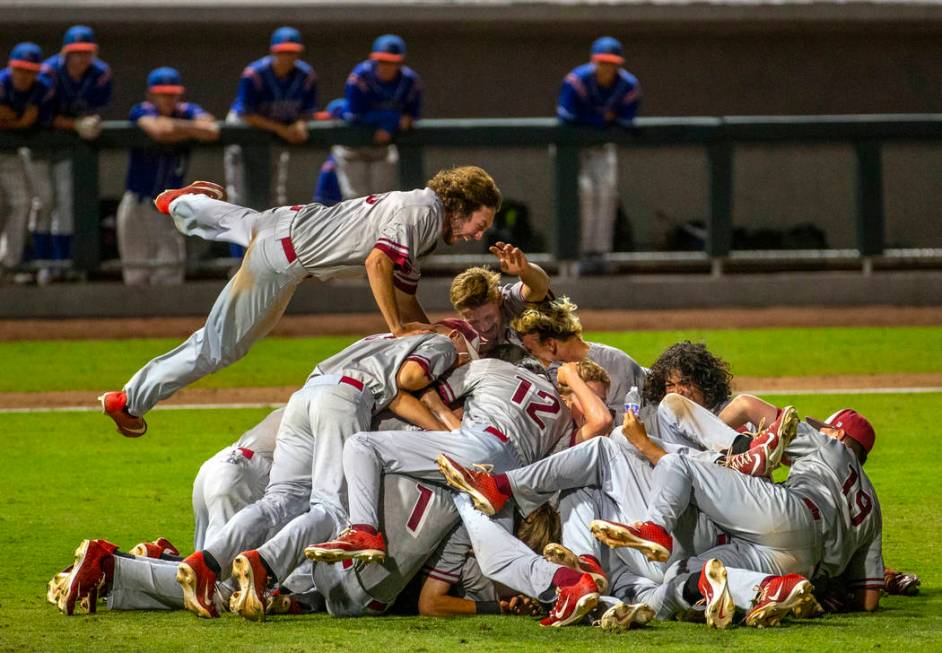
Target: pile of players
[(446, 460)]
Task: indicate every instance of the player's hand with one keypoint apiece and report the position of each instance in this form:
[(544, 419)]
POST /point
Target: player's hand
[(382, 137), (88, 127), (405, 122), (521, 605), (412, 329), (633, 429), (295, 133), (565, 373), (512, 260)]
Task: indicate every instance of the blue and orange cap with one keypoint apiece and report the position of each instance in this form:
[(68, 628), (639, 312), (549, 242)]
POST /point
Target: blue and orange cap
[(26, 56), (165, 80), (608, 50), (79, 38), (389, 47), (286, 39)]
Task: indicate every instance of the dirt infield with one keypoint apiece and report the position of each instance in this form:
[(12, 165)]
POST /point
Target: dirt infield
[(366, 323)]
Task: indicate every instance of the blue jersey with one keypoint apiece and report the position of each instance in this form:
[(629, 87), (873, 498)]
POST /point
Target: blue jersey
[(583, 102), (282, 99), (380, 104), (327, 191), (153, 169), (39, 95), (83, 97)]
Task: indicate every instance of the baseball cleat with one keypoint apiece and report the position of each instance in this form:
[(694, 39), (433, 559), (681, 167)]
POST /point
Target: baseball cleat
[(573, 603), (86, 578), (207, 188), (250, 601), (351, 544), (623, 616), (779, 595), (57, 584), (478, 484), (159, 547), (754, 462), (649, 538), (199, 584), (715, 590), (560, 555), (115, 405), (278, 603)]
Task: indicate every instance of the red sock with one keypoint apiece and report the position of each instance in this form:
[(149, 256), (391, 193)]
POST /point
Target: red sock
[(366, 528), (503, 485), (565, 576)]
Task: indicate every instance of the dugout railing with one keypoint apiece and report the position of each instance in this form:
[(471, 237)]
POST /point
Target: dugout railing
[(719, 136)]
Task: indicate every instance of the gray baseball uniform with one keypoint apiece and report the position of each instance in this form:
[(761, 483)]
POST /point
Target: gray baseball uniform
[(339, 399), (511, 417), (623, 371), (285, 245)]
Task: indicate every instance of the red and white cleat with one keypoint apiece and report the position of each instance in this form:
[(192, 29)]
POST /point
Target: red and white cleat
[(159, 547), (715, 590), (573, 603), (478, 484), (779, 595), (87, 576), (115, 406), (649, 538), (352, 544), (251, 600), (561, 555), (207, 188), (199, 585)]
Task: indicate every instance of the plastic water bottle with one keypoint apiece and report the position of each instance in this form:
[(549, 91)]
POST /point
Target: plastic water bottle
[(633, 400)]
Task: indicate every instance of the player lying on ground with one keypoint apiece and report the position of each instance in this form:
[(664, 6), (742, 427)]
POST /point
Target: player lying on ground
[(386, 234)]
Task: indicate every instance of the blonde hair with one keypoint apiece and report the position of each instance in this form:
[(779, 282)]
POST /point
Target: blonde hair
[(465, 189), (588, 371), (539, 528), (556, 319), (474, 287)]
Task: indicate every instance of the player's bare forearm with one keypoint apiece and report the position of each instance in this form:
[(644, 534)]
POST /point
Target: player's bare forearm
[(261, 122), (64, 122), (430, 398), (513, 261), (204, 128), (379, 272), (598, 419), (434, 601), (410, 310), (744, 409), (633, 429), (164, 130), (409, 408), (25, 121), (536, 283)]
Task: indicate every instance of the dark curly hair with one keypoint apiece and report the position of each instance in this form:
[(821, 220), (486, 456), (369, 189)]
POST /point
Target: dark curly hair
[(697, 366)]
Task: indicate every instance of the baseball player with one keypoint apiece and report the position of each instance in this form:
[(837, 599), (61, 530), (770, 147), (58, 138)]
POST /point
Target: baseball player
[(553, 333), (25, 102), (825, 519), (386, 95), (152, 251), (278, 94), (600, 93), (387, 234), (512, 417), (478, 296), (340, 398), (82, 84)]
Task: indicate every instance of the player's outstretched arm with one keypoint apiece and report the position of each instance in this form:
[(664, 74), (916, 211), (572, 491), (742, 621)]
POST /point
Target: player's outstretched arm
[(513, 261), (379, 272)]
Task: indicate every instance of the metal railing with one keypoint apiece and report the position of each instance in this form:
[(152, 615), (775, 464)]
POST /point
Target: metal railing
[(718, 136)]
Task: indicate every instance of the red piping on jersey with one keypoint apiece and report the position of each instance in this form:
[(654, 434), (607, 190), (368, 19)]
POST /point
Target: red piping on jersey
[(377, 606), (815, 511), (349, 380), (248, 453), (288, 246), (496, 433)]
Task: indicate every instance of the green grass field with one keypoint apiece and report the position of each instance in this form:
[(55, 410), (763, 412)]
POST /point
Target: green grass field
[(68, 476)]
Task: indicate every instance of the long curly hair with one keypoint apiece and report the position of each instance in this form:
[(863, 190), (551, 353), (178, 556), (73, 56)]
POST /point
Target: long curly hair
[(465, 189), (697, 366)]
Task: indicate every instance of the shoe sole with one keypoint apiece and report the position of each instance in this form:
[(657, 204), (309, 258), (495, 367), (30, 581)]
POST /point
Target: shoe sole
[(560, 555), (618, 536), (214, 191), (456, 479), (70, 590), (187, 579), (57, 585), (787, 429), (769, 616), (330, 556), (584, 606), (719, 611), (623, 616), (248, 604)]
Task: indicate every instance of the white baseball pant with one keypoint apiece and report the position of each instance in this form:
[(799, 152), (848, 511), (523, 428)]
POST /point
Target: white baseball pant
[(151, 584), (686, 423), (224, 485), (152, 251), (235, 169), (598, 196), (14, 190), (365, 170)]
